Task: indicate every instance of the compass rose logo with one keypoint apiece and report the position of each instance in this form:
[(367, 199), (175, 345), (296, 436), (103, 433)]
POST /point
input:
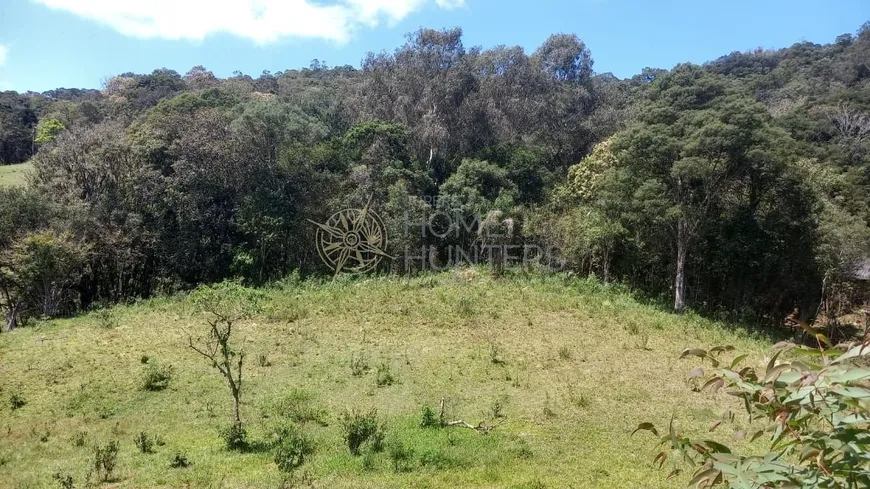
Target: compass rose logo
[(352, 240)]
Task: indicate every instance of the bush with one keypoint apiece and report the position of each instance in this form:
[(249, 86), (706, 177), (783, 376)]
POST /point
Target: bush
[(79, 439), (157, 377), (428, 418), (465, 307), (65, 481), (384, 375), (298, 407), (106, 319), (359, 365), (361, 428), (179, 461), (438, 459), (814, 410), (235, 437), (105, 459), (16, 401), (290, 448), (144, 443), (401, 456)]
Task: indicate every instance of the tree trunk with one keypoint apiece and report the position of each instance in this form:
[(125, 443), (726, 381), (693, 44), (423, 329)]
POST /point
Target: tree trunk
[(237, 419), (12, 317), (680, 279)]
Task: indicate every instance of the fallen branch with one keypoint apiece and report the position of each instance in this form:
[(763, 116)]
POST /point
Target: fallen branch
[(480, 428)]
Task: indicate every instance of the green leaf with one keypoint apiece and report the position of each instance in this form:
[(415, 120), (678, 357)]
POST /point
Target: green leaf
[(697, 352), (756, 435), (852, 392), (824, 339), (737, 360), (647, 427), (772, 363), (860, 350), (775, 371), (716, 446)]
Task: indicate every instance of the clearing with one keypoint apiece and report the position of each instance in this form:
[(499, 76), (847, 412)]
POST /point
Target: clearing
[(14, 175), (565, 369)]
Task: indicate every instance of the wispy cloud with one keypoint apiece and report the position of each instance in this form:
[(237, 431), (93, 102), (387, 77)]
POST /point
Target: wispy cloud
[(262, 21), (4, 52)]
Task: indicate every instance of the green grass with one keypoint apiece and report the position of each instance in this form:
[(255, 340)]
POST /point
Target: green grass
[(14, 175), (569, 367)]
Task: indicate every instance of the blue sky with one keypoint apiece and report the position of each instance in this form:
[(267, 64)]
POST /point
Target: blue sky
[(46, 44)]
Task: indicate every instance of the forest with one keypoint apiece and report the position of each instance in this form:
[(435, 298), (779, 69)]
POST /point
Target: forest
[(737, 188)]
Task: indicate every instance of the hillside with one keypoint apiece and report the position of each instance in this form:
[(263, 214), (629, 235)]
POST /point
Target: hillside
[(565, 369)]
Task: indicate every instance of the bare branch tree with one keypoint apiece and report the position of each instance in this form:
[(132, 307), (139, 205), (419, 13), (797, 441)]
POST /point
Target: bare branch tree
[(226, 304), (850, 123)]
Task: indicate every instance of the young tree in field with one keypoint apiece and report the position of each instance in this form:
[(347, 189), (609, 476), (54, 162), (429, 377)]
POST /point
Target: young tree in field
[(225, 304)]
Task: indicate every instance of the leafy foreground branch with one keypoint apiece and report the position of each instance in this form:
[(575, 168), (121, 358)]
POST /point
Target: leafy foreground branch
[(815, 409)]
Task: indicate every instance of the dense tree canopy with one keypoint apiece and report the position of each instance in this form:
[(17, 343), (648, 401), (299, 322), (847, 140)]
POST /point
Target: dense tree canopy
[(739, 186)]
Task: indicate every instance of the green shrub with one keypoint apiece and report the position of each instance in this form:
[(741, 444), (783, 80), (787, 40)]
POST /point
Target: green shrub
[(79, 439), (144, 443), (522, 450), (65, 481), (496, 410), (359, 364), (361, 428), (299, 407), (495, 355), (105, 459), (814, 409), (401, 456), (428, 419), (16, 401), (384, 375), (179, 461), (157, 377), (465, 307), (106, 319), (290, 447), (368, 461), (235, 437)]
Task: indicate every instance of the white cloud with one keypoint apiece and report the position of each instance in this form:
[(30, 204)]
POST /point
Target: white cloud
[(4, 51), (262, 21)]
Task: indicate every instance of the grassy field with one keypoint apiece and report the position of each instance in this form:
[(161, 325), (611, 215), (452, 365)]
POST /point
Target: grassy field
[(13, 175), (564, 369)]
